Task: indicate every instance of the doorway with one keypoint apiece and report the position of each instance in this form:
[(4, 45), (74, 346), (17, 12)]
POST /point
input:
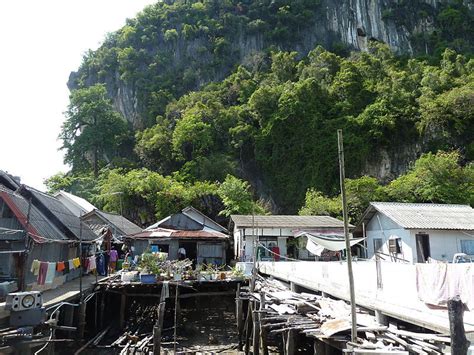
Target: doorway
[(422, 247), (191, 250)]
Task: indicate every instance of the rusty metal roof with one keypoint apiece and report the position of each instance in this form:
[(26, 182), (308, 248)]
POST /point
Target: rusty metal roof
[(426, 215), (286, 221)]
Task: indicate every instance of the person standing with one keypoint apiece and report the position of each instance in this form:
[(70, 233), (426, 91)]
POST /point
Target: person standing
[(181, 253), (113, 257)]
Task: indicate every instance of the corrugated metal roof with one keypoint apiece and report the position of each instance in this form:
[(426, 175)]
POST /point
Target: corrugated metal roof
[(83, 204), (70, 221), (428, 215), (38, 222), (286, 221), (120, 223)]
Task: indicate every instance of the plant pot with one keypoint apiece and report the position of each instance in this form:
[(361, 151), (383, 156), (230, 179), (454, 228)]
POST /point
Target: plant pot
[(148, 278)]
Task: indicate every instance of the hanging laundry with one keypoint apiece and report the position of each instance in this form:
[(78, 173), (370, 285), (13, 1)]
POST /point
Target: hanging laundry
[(43, 269), (66, 268), (51, 272), (71, 265), (101, 269), (60, 266), (35, 266), (276, 253), (91, 263), (76, 262)]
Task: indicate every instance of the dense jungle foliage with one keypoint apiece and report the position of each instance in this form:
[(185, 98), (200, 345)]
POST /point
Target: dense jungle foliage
[(272, 121)]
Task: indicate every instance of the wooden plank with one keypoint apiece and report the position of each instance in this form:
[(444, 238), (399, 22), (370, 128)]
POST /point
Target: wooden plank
[(334, 326)]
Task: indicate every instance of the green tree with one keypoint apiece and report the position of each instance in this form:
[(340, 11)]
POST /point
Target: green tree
[(316, 204), (93, 132), (437, 178), (237, 197)]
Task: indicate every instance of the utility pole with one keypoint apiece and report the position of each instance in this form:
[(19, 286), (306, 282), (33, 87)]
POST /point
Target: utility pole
[(342, 177)]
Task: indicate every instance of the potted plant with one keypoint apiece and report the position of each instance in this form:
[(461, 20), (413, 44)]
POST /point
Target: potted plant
[(237, 273), (149, 268)]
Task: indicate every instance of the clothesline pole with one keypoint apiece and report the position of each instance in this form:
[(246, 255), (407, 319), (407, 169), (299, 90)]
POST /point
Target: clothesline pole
[(346, 235), (82, 305)]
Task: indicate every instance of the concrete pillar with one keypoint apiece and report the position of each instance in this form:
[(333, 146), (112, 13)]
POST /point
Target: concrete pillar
[(294, 287), (381, 318)]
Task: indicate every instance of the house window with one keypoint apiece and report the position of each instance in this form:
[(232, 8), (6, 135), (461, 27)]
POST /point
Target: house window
[(467, 247), (395, 245), (378, 243)]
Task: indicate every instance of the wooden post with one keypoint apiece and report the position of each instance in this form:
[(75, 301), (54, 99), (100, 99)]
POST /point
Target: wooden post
[(378, 268), (459, 343), (102, 309), (256, 332), (157, 329), (319, 347), (123, 302), (263, 331), (290, 342), (248, 327), (239, 316), (82, 320), (342, 177), (176, 306)]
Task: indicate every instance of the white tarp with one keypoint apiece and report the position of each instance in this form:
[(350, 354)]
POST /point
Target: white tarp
[(334, 242)]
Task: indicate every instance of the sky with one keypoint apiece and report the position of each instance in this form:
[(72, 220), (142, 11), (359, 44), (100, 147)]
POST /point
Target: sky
[(41, 43)]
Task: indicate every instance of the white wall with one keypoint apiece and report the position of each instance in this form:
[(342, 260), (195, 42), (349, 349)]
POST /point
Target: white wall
[(382, 227), (245, 237), (443, 243)]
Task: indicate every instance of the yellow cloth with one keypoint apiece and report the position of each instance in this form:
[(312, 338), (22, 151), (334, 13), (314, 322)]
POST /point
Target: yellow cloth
[(76, 262), (35, 266)]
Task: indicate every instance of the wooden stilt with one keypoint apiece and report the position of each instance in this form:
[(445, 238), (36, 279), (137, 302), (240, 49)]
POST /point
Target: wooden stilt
[(157, 329), (123, 302), (248, 328), (256, 332), (319, 347), (81, 324), (459, 343), (102, 309), (263, 331), (239, 316), (176, 307), (290, 342)]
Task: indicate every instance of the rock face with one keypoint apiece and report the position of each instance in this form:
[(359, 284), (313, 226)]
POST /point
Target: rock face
[(351, 23)]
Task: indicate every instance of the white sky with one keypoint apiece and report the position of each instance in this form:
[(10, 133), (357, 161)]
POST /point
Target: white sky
[(41, 43)]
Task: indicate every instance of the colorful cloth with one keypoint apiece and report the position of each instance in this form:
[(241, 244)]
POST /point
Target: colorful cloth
[(50, 273), (92, 264), (76, 262), (35, 267), (113, 255), (71, 264), (43, 269), (60, 266)]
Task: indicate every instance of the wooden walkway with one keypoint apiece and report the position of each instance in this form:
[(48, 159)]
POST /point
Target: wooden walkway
[(397, 297)]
